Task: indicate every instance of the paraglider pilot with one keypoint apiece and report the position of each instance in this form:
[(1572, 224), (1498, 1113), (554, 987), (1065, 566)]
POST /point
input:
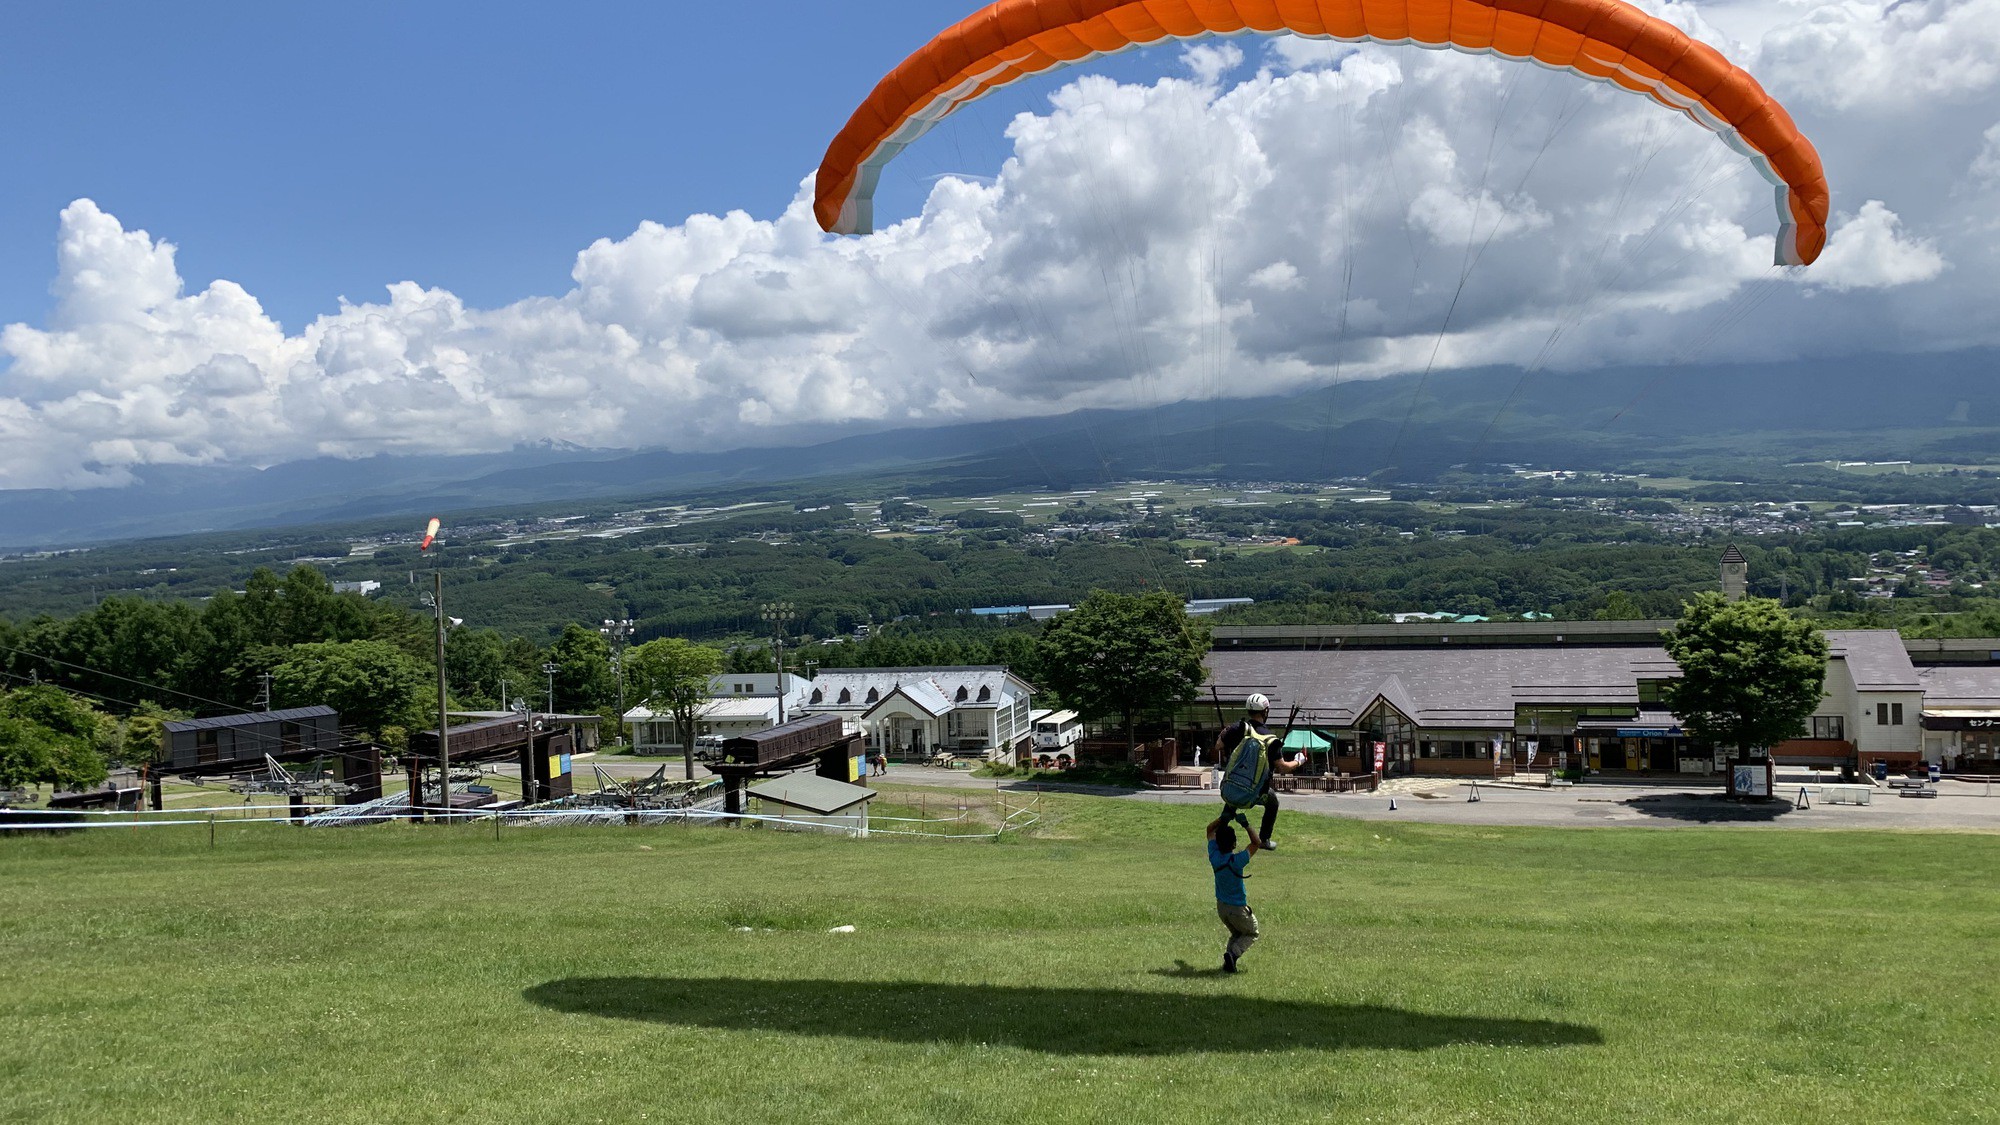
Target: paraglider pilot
[(1254, 727)]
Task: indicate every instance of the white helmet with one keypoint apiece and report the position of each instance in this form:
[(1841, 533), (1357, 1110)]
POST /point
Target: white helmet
[(1257, 704)]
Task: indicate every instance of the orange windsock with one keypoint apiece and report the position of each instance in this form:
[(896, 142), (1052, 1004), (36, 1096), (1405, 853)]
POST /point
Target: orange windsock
[(430, 534), (1607, 40)]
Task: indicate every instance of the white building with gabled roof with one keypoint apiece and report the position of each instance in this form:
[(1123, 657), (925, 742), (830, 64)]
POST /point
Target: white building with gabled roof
[(739, 703), (913, 712)]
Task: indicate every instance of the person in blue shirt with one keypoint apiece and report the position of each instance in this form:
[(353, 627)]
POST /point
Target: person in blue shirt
[(1230, 903)]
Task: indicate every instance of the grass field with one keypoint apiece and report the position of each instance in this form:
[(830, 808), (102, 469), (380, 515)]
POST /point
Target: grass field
[(1408, 973)]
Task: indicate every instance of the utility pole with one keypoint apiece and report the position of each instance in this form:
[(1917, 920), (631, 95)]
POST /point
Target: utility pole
[(777, 613), (552, 668), (444, 719), (264, 697)]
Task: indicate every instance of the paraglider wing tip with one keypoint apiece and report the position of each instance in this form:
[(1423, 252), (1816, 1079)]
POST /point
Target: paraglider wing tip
[(1797, 249), (854, 216)]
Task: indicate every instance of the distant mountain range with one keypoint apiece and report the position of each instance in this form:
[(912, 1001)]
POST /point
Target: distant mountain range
[(1938, 407)]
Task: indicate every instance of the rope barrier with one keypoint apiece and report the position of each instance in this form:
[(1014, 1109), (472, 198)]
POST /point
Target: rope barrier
[(66, 819)]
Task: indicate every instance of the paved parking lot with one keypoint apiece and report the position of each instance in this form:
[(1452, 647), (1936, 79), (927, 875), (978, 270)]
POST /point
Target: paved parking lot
[(1958, 805)]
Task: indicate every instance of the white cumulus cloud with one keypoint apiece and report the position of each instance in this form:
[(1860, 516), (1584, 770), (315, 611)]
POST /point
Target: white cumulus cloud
[(1342, 212), (1881, 56), (1868, 251)]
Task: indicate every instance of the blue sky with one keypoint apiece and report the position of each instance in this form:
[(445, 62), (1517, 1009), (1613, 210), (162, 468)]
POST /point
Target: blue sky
[(510, 197), (313, 151)]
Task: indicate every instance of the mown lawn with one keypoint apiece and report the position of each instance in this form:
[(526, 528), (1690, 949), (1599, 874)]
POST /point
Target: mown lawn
[(1408, 973)]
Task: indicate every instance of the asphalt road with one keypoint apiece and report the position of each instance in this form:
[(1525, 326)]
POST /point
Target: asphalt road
[(1958, 805)]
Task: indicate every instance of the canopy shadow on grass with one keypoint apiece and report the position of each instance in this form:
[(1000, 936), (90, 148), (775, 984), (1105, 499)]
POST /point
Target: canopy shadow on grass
[(1068, 1021)]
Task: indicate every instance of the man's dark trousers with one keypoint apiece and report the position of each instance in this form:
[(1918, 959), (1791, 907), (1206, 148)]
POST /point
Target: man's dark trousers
[(1270, 802)]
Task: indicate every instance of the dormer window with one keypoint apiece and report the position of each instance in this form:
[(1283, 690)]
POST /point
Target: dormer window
[(846, 696), (985, 694), (818, 696), (873, 695), (962, 693)]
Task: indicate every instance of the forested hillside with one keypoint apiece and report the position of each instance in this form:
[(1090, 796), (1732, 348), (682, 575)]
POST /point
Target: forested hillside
[(191, 629)]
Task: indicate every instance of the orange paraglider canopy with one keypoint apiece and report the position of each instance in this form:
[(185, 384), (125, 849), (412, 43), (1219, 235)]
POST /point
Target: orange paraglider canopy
[(1607, 40)]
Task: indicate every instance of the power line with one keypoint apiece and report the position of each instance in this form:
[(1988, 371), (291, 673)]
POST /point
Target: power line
[(124, 679)]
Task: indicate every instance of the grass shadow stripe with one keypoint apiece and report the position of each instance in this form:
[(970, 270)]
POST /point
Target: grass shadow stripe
[(1067, 1021)]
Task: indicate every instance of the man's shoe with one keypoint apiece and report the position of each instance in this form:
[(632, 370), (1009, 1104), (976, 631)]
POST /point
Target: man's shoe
[(1229, 962), (1267, 846)]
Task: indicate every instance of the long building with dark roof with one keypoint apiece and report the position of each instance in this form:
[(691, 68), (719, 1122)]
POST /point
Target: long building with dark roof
[(1457, 699)]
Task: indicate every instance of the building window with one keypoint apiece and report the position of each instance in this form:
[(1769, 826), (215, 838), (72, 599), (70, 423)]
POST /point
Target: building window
[(207, 747), (1895, 714), (1829, 726), (1881, 714)]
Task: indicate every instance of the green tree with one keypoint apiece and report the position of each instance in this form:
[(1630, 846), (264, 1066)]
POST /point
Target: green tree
[(673, 675), (1619, 606), (476, 667), (1018, 652), (142, 734), (1124, 655), (1751, 674), (751, 659), (584, 680), (48, 737), (373, 684)]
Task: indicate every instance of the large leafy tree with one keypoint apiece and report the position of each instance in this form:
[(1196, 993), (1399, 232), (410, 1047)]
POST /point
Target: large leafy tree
[(673, 675), (48, 737), (373, 684), (486, 669), (1124, 655), (584, 680), (1751, 674)]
